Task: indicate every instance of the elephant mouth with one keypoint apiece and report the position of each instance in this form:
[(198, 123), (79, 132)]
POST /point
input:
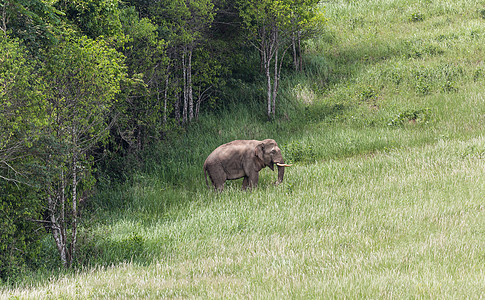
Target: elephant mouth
[(283, 165)]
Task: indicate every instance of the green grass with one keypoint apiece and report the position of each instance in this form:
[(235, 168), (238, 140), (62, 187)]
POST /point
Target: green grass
[(403, 223), (385, 199)]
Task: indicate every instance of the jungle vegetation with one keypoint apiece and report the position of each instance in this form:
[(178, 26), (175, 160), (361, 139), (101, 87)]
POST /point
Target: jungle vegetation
[(109, 109)]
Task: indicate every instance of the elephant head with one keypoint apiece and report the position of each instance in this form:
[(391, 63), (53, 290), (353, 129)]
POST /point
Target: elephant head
[(270, 154)]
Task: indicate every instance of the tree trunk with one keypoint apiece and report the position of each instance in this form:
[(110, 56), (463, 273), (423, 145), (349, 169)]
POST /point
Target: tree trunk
[(275, 85), (62, 222), (268, 79), (56, 209), (197, 105), (157, 87), (72, 248), (295, 55), (185, 91), (165, 95), (4, 18), (56, 228), (300, 55), (177, 105), (262, 54), (189, 86)]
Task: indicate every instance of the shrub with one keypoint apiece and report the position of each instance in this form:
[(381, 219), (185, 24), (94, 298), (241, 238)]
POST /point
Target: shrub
[(411, 116), (19, 235), (416, 17), (482, 14), (299, 152), (368, 93)]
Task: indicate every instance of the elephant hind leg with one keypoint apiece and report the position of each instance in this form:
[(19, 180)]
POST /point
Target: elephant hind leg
[(217, 176), (219, 185)]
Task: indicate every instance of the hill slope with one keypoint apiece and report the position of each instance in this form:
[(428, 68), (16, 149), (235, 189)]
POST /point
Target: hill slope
[(385, 199)]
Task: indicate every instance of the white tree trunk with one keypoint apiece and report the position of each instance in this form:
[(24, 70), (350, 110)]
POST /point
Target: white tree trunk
[(275, 85), (300, 54), (72, 248), (165, 95), (185, 94), (57, 230), (197, 105), (189, 86), (3, 27), (268, 87), (295, 55)]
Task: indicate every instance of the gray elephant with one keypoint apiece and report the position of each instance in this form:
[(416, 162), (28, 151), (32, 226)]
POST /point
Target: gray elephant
[(243, 158)]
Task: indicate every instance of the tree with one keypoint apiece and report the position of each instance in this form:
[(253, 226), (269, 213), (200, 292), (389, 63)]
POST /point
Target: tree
[(307, 19), (271, 26), (207, 79), (184, 23), (93, 18), (161, 51), (146, 107), (34, 22), (21, 104), (82, 79), (21, 121), (19, 236)]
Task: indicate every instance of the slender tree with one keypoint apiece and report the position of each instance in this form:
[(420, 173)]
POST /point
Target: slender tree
[(83, 78), (184, 22), (271, 27), (146, 106), (306, 20)]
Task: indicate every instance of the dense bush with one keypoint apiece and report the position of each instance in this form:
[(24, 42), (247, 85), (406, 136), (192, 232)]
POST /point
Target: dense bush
[(19, 234)]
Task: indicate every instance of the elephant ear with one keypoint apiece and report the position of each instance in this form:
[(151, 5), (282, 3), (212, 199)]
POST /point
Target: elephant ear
[(258, 151)]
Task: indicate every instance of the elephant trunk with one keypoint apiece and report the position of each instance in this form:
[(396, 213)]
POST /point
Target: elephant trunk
[(281, 172)]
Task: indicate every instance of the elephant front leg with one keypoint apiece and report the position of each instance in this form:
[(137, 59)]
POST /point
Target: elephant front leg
[(253, 180), (245, 183), (250, 181)]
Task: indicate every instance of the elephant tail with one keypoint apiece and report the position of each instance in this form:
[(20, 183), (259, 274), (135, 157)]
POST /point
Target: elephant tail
[(205, 175)]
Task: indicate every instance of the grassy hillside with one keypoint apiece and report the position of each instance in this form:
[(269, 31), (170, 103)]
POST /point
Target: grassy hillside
[(385, 199)]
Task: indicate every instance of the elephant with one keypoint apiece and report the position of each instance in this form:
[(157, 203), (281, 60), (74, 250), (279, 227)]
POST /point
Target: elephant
[(243, 158)]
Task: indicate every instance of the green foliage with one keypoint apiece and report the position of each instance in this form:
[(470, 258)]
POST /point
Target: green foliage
[(90, 74), (271, 27), (82, 79), (416, 17), (423, 81), (141, 111), (442, 77), (184, 22), (473, 151), (21, 105), (94, 18), (298, 152), (34, 22), (97, 249), (482, 13), (368, 93), (356, 124), (420, 116), (19, 235)]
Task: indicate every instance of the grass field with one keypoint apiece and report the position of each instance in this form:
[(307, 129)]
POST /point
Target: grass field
[(386, 131)]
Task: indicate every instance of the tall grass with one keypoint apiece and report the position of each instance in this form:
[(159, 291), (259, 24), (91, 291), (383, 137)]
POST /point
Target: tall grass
[(402, 223), (386, 132)]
